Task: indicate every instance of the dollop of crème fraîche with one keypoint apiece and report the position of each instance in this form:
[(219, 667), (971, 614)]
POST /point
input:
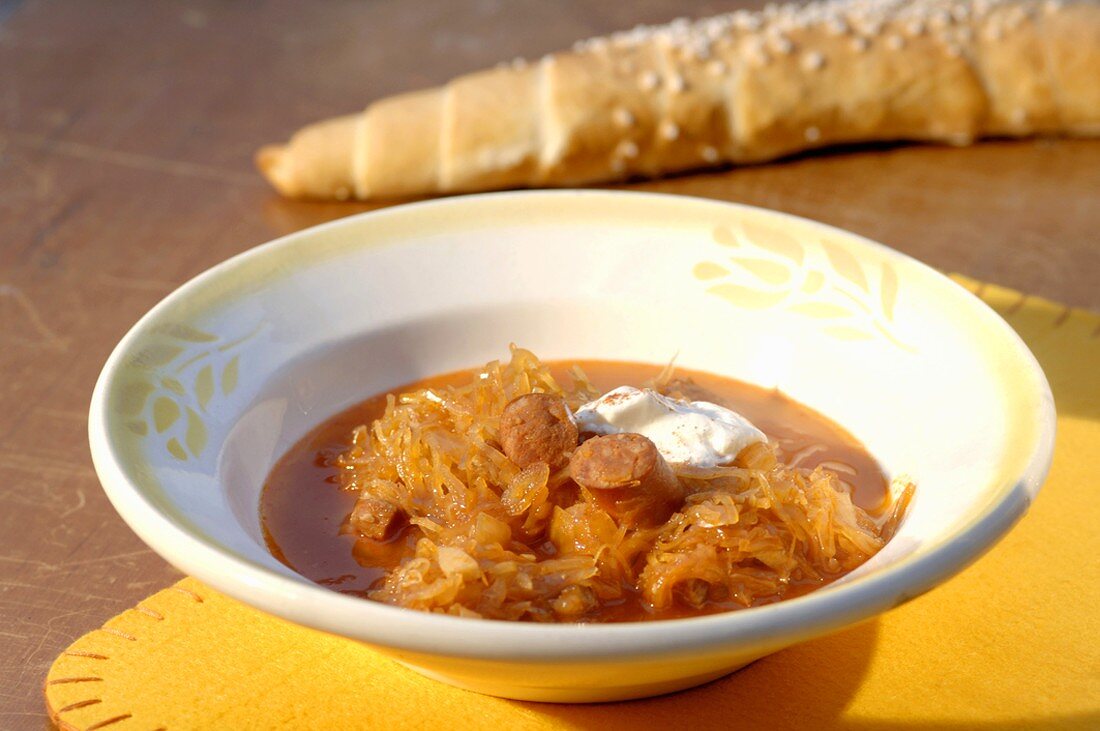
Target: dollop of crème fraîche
[(697, 433)]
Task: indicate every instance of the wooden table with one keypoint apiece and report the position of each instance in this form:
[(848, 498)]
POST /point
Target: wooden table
[(126, 135)]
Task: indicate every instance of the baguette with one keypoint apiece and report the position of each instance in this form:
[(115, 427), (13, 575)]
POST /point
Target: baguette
[(737, 88)]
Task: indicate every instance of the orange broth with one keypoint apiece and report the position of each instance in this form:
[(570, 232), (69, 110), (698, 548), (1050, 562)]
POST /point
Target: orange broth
[(303, 509)]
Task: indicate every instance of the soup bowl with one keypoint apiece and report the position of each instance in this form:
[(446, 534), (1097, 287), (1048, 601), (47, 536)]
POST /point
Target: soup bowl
[(207, 391)]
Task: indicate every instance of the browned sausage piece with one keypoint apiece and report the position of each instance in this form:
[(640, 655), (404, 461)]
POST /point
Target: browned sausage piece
[(536, 427), (374, 518), (629, 478)]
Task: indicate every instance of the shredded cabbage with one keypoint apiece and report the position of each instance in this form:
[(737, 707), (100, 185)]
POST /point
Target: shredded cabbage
[(487, 539)]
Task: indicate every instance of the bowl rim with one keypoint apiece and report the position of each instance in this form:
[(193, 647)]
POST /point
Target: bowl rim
[(312, 605)]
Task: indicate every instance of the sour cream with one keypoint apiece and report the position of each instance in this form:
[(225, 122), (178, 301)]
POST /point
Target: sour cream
[(685, 432)]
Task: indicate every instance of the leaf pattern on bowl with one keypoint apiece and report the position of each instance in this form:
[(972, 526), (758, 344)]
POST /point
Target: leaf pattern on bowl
[(816, 278), (173, 380)]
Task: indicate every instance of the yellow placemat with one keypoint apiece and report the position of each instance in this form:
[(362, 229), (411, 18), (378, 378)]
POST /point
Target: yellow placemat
[(1014, 641)]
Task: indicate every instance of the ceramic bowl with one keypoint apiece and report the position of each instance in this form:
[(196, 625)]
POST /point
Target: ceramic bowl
[(211, 387)]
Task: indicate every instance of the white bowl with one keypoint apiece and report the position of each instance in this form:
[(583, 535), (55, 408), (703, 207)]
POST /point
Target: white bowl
[(211, 387)]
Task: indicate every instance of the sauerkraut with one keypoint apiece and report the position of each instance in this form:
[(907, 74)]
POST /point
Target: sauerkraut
[(481, 537)]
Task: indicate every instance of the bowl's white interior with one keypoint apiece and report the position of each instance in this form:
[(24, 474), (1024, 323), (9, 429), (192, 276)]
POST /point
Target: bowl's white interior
[(939, 388)]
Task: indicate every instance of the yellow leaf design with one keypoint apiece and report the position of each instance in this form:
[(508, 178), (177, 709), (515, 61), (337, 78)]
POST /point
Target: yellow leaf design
[(229, 375), (821, 310), (138, 427), (204, 386), (888, 290), (845, 264), (753, 299), (724, 236), (776, 242), (180, 368), (769, 271), (196, 433), (180, 331), (165, 413), (814, 282), (131, 397), (843, 332), (156, 354), (173, 385), (709, 270), (176, 449)]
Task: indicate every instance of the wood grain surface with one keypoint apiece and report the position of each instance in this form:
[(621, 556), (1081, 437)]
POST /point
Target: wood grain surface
[(126, 134)]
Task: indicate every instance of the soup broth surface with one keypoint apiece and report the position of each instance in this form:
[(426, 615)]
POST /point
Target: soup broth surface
[(304, 510)]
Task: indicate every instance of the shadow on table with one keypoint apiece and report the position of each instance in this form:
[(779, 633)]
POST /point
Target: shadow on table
[(287, 215), (1071, 721), (806, 686)]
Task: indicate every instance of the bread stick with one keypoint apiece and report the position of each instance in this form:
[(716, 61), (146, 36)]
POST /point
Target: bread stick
[(732, 89)]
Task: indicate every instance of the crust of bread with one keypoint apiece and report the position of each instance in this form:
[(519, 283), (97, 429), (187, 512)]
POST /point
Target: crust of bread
[(837, 89), (402, 145), (696, 127), (316, 163), (1017, 77), (491, 130), (1072, 39), (598, 114)]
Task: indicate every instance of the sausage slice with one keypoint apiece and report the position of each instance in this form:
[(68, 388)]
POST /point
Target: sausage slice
[(629, 478), (536, 427), (375, 518)]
